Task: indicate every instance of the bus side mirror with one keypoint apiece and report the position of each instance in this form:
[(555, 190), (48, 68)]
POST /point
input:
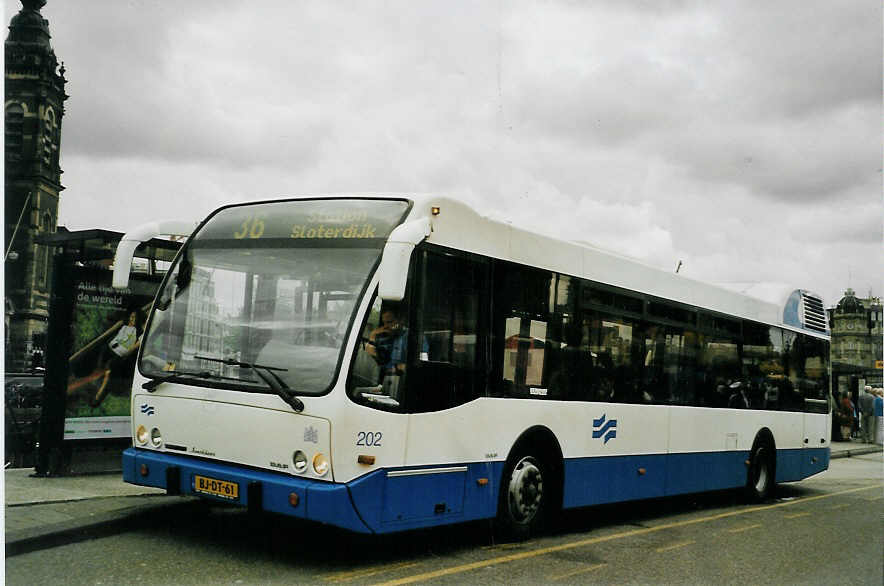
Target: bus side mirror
[(135, 237), (393, 270)]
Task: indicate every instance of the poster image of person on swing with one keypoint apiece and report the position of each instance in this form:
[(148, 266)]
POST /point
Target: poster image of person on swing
[(114, 354)]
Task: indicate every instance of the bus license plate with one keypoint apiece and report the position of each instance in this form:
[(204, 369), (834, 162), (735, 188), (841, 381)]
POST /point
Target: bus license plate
[(215, 487)]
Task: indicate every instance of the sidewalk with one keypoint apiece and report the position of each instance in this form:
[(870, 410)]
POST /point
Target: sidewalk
[(48, 511), (43, 512)]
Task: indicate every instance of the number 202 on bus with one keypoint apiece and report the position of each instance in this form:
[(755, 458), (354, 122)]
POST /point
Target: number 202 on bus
[(369, 438)]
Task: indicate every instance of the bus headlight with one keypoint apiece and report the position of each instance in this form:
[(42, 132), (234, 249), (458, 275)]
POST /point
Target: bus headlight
[(299, 459), (320, 464), (141, 435), (156, 438)]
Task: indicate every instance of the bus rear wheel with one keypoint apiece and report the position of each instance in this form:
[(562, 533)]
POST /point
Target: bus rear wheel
[(524, 498), (762, 472)]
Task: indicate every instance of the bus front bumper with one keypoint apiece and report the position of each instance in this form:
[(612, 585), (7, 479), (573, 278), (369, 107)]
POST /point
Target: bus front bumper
[(258, 490)]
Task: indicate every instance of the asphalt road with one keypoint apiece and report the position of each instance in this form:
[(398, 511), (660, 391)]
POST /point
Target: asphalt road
[(825, 530)]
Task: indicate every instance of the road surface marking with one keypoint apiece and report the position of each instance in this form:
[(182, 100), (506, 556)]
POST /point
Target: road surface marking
[(675, 546), (366, 572), (501, 546), (578, 571), (514, 557), (746, 528), (797, 515)]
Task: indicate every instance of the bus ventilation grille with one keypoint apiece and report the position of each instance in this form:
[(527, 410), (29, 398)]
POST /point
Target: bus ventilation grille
[(814, 313)]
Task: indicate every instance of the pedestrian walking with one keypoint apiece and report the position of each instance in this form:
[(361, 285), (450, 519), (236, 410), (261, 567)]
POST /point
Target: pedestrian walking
[(879, 416), (867, 414), (846, 417)]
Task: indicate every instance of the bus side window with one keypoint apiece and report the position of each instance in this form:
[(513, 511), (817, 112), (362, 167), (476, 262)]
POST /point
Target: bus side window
[(793, 371), (522, 325)]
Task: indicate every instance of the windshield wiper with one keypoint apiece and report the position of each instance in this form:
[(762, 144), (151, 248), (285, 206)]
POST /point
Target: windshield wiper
[(174, 376), (266, 374)]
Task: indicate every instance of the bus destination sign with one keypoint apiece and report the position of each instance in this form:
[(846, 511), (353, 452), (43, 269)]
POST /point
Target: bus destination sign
[(307, 220), (330, 225)]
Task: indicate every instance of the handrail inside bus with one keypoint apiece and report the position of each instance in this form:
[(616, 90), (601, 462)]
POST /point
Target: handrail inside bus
[(132, 239)]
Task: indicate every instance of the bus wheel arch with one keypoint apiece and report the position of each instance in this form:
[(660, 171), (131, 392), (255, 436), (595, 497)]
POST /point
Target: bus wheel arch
[(531, 485), (762, 467)]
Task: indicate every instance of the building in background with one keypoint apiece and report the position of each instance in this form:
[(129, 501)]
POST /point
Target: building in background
[(205, 324), (34, 107), (857, 326)]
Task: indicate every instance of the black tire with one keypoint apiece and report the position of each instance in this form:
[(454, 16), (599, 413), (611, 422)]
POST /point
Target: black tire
[(524, 503), (761, 481)]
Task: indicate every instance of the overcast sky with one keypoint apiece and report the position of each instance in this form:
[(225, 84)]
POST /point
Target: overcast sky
[(743, 138)]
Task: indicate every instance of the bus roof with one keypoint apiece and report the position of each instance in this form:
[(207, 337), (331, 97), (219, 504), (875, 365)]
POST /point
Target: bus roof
[(457, 225)]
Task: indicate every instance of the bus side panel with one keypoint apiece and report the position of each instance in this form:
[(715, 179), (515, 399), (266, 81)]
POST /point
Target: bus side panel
[(705, 471), (409, 498), (789, 465), (799, 464), (638, 477), (587, 482), (422, 497), (815, 460), (595, 481), (817, 429)]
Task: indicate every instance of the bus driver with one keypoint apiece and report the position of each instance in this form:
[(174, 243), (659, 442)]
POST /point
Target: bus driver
[(387, 342)]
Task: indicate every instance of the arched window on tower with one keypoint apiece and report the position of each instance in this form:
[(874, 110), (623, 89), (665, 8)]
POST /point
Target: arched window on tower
[(48, 138)]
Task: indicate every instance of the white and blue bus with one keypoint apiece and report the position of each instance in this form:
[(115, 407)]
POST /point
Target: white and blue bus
[(384, 364)]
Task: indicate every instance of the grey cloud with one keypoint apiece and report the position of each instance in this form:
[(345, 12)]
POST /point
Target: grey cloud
[(808, 159), (785, 102), (619, 103), (803, 56), (726, 132)]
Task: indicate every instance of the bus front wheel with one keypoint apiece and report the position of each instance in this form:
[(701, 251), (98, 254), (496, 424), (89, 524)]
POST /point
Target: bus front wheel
[(524, 497)]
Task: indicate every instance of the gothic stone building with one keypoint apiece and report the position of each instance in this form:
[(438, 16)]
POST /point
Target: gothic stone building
[(857, 330), (34, 106)]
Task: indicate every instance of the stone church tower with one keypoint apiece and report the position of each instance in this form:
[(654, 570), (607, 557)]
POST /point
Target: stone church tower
[(33, 107)]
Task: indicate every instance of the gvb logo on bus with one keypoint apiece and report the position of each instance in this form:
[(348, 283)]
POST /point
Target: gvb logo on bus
[(602, 428)]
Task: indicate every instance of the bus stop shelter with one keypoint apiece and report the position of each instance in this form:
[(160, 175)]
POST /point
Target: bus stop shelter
[(77, 413)]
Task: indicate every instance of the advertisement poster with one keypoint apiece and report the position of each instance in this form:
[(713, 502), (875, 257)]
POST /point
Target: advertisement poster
[(106, 331)]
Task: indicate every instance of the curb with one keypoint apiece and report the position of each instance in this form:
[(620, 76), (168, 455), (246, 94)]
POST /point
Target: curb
[(856, 452), (98, 525)]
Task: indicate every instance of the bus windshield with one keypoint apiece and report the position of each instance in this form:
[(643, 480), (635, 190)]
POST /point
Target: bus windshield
[(269, 286)]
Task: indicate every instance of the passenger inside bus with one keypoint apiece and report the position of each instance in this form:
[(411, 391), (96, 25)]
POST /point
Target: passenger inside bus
[(737, 398), (573, 376)]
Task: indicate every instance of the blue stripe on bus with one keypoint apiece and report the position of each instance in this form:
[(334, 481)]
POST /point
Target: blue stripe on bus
[(409, 498), (595, 481)]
